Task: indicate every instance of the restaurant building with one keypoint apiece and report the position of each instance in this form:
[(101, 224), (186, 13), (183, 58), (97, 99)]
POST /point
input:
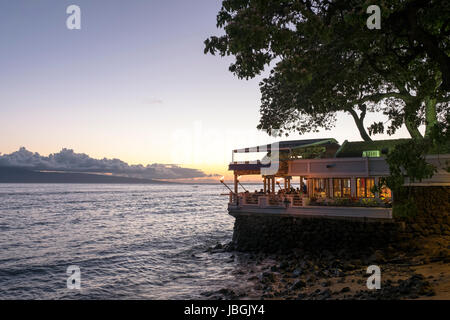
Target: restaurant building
[(320, 177)]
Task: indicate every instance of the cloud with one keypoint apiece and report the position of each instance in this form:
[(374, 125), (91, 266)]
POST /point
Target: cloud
[(153, 101), (68, 160)]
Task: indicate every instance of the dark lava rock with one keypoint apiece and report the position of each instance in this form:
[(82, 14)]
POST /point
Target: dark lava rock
[(339, 273), (298, 285), (228, 293), (349, 266), (377, 256), (267, 277), (301, 296), (297, 272), (412, 287), (345, 289), (207, 293), (326, 294), (326, 284)]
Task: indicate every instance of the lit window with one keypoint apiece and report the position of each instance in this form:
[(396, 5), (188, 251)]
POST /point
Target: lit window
[(320, 188), (364, 187), (341, 188), (346, 188)]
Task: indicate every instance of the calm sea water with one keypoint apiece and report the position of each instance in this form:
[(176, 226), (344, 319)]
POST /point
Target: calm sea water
[(130, 241)]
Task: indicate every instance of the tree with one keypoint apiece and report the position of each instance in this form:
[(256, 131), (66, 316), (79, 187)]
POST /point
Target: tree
[(423, 27), (328, 61), (306, 99)]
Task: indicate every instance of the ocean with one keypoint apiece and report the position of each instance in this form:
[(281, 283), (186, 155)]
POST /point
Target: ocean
[(128, 241)]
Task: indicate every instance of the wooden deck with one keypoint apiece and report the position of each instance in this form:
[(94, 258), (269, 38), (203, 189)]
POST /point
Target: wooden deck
[(315, 211)]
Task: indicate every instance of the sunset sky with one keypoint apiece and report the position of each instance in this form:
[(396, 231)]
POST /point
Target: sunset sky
[(132, 84)]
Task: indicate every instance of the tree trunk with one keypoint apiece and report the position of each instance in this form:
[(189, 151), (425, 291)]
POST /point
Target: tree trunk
[(360, 125), (430, 115), (411, 109), (412, 129)]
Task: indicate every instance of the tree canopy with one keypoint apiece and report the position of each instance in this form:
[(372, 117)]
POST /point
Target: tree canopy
[(327, 60)]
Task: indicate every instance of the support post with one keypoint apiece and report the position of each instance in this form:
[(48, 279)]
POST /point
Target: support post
[(301, 184), (377, 183), (331, 188), (353, 186), (310, 187)]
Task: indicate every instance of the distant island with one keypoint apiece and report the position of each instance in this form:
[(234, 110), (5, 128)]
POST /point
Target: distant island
[(67, 166), (23, 175)]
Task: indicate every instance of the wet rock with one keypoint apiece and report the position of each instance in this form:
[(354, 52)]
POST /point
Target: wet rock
[(299, 284), (339, 273), (207, 293), (349, 267), (297, 272), (301, 296), (228, 293), (357, 263), (267, 277), (377, 257), (326, 294), (326, 283)]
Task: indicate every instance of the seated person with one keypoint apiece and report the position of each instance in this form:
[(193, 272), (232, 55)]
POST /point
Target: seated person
[(304, 188)]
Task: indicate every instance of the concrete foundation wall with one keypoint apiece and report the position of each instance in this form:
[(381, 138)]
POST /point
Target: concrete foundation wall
[(256, 232)]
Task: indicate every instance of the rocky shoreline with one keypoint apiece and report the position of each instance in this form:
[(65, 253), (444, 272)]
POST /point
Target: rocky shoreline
[(289, 257), (416, 272)]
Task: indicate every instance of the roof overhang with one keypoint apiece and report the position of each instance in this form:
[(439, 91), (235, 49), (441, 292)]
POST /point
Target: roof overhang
[(247, 166), (287, 145)]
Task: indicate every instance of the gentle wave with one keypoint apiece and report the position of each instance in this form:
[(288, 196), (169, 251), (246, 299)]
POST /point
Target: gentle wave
[(130, 241)]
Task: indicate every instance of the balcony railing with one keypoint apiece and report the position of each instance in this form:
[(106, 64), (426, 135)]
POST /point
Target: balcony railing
[(296, 200), (263, 200), (299, 205)]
